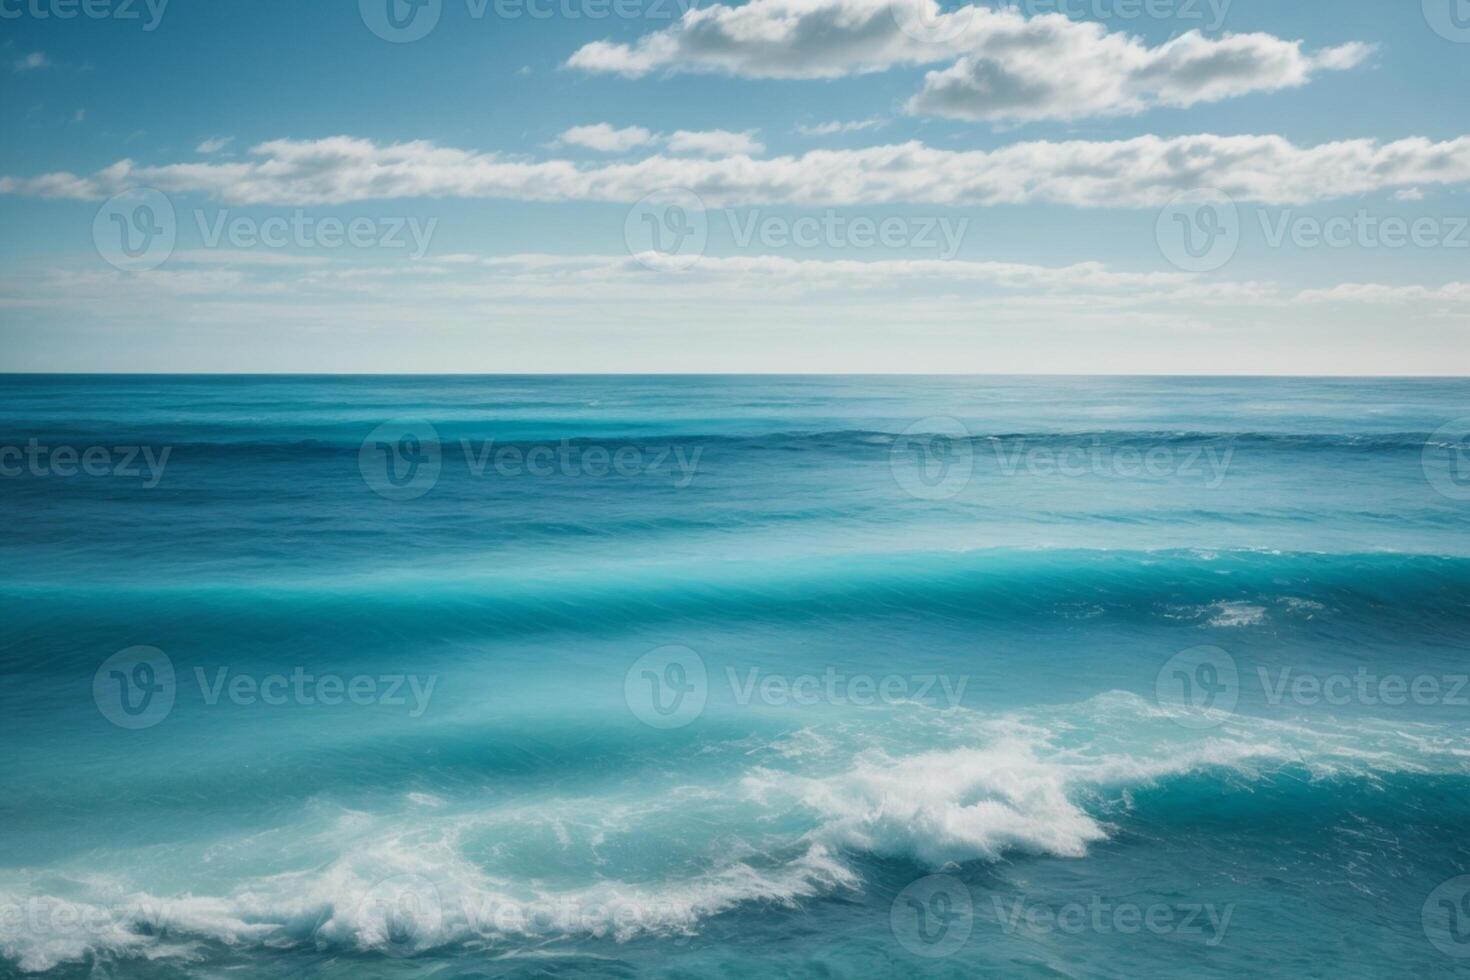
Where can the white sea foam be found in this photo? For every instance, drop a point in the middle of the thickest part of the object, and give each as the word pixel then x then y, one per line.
pixel 989 786
pixel 1232 614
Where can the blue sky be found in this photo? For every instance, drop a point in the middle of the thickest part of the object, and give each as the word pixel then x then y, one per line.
pixel 507 170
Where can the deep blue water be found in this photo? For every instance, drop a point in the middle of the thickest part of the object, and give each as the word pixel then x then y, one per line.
pixel 720 676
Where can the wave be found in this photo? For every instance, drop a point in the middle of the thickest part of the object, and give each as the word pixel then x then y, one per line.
pixel 1051 782
pixel 236 441
pixel 1218 589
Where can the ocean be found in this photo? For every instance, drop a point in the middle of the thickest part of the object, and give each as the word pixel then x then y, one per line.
pixel 675 676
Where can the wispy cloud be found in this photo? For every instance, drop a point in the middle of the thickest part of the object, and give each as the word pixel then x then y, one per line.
pixel 715 143
pixel 605 138
pixel 214 144
pixel 1146 171
pixel 835 127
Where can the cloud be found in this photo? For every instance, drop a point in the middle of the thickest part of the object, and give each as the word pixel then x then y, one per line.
pixel 32 61
pixel 715 142
pixel 214 144
pixel 1143 172
pixel 611 312
pixel 603 138
pixel 837 126
pixel 1004 65
pixel 1106 75
pixel 461 277
pixel 1376 293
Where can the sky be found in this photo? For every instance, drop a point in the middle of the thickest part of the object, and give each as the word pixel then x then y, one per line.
pixel 643 186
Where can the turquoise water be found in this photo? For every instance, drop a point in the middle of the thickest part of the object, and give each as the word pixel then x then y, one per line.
pixel 720 676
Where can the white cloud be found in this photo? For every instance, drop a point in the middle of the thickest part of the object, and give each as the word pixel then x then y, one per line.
pixel 1455 292
pixel 603 138
pixel 838 126
pixel 214 144
pixel 466 276
pixel 1094 74
pixel 32 61
pixel 1136 173
pixel 715 142
pixel 1005 66
pixel 611 312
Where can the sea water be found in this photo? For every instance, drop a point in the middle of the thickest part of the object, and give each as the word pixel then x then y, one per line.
pixel 464 677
